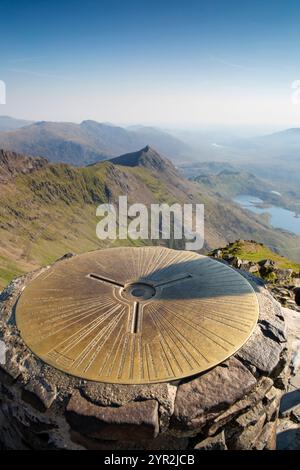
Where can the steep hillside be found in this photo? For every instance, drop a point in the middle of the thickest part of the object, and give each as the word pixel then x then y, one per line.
pixel 85 143
pixel 51 209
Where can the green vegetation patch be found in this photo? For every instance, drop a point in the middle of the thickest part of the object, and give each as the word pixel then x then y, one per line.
pixel 253 251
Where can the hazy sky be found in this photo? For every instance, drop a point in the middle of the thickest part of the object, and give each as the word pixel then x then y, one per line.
pixel 164 62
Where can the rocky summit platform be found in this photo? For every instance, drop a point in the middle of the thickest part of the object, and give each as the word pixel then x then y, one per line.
pixel 214 365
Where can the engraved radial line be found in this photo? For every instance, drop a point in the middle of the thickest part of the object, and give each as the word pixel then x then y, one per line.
pixel 208 303
pixel 225 323
pixel 168 329
pixel 202 328
pixel 151 359
pixel 93 346
pixel 140 356
pixel 68 306
pixel 70 314
pixel 109 354
pixel 147 363
pixel 69 318
pixel 149 256
pixel 162 328
pixel 88 329
pixel 106 333
pixel 235 312
pixel 173 337
pixel 201 331
pixel 123 355
pixel 219 316
pixel 132 356
pixel 213 313
pixel 201 307
pixel 84 331
pixel 74 322
pixel 113 362
pixel 178 335
pixel 153 261
pixel 165 359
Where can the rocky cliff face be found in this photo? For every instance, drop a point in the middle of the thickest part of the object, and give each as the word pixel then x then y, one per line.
pixel 13 164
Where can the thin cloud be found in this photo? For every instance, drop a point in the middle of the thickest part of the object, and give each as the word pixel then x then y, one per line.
pixel 34 73
pixel 22 60
pixel 228 63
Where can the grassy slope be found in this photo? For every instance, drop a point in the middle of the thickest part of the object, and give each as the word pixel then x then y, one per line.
pixel 248 250
pixel 47 214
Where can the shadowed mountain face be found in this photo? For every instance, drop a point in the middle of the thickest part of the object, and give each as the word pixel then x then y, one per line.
pixel 147 158
pixel 49 209
pixel 86 143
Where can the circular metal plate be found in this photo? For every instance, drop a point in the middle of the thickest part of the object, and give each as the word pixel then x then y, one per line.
pixel 136 315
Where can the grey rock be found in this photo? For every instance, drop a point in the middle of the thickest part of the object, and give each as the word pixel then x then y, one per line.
pixel 267 438
pixel 135 420
pixel 267 263
pixel 118 395
pixel 203 398
pixel 261 351
pixel 40 394
pixel 212 443
pixel 271 403
pixel 248 428
pixel 247 402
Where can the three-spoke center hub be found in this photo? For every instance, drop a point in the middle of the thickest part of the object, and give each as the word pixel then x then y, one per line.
pixel 138 291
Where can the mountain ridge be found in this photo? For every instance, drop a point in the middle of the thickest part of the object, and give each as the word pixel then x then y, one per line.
pixel 87 142
pixel 51 210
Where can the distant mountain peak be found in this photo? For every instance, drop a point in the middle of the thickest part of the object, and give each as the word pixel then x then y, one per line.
pixel 146 157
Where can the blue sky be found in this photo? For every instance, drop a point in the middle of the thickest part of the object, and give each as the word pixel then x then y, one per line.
pixel 186 63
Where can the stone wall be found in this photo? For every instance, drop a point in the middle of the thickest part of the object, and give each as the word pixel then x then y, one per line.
pixel 232 406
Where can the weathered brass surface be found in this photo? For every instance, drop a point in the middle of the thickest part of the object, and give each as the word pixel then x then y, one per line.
pixel 136 315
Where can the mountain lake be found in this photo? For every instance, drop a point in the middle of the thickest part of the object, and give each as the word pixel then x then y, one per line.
pixel 279 217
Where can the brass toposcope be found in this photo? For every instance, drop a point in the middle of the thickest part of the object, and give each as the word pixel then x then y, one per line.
pixel 136 315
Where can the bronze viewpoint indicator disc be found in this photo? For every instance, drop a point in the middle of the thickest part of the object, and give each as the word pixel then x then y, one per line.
pixel 136 315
